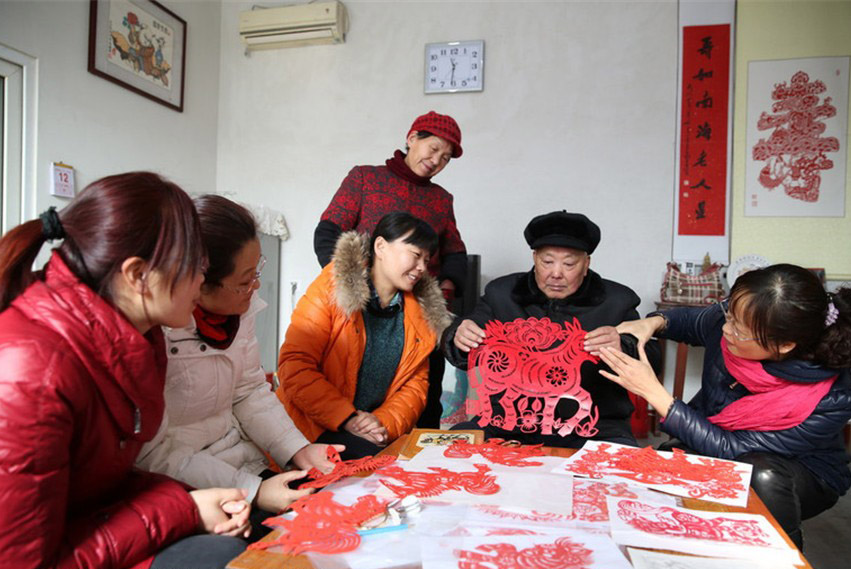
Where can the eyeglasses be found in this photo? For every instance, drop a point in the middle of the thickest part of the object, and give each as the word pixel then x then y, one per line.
pixel 249 288
pixel 734 330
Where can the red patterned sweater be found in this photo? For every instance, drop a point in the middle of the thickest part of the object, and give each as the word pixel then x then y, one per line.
pixel 368 193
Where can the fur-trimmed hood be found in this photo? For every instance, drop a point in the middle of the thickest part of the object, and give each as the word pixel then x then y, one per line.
pixel 351 282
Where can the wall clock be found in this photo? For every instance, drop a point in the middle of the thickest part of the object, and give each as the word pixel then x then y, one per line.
pixel 455 66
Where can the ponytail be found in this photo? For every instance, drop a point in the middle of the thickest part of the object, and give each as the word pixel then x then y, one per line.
pixel 136 214
pixel 18 250
pixel 834 347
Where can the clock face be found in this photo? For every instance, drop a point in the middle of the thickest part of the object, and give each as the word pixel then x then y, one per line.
pixel 456 66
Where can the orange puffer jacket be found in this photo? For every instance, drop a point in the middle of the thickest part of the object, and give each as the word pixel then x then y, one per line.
pixel 319 362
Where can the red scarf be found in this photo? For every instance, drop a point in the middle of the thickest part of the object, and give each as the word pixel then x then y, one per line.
pixel 217 330
pixel 398 166
pixel 777 403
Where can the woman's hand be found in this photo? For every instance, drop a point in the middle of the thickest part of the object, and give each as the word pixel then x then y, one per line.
pixel 468 335
pixel 316 456
pixel 643 329
pixel 275 495
pixel 602 337
pixel 223 511
pixel 367 426
pixel 637 377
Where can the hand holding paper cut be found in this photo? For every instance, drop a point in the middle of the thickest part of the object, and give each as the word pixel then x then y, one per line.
pixel 322 525
pixel 534 363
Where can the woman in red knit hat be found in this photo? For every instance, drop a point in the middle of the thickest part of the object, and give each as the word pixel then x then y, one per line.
pixel 404 183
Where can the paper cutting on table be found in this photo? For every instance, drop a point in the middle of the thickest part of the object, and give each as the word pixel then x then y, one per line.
pixel 435 456
pixel 643 559
pixel 497 451
pixel 693 476
pixel 534 364
pixel 465 482
pixel 344 468
pixel 716 534
pixel 577 550
pixel 322 525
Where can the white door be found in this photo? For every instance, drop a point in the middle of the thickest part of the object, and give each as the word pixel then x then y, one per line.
pixel 11 144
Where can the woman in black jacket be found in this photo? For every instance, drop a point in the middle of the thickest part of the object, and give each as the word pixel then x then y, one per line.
pixel 775 389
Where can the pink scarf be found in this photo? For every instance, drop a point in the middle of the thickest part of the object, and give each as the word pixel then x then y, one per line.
pixel 777 403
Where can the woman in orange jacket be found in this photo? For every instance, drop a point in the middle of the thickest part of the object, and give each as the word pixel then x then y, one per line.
pixel 354 364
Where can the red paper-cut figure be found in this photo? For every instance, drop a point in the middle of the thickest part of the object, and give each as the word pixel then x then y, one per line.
pixel 496 451
pixel 710 478
pixel 589 499
pixel 531 516
pixel 439 480
pixel 532 360
pixel 344 468
pixel 322 525
pixel 511 531
pixel 563 553
pixel 795 150
pixel 672 522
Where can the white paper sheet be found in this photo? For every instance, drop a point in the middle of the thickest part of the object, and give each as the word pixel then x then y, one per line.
pixel 714 534
pixel 574 549
pixel 434 455
pixel 539 491
pixel 642 559
pixel 717 480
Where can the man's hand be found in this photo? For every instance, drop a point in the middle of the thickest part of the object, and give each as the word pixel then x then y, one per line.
pixel 602 337
pixel 468 336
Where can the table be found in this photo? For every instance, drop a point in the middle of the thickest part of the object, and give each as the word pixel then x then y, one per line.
pixel 259 559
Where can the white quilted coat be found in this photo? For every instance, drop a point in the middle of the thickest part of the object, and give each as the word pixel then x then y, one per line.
pixel 220 413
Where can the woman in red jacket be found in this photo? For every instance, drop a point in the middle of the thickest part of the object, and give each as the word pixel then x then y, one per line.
pixel 82 369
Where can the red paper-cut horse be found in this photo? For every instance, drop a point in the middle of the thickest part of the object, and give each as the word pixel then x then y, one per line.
pixel 538 359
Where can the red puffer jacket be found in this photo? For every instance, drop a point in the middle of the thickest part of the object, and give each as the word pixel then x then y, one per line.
pixel 80 392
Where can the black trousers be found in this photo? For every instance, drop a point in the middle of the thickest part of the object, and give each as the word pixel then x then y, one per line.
pixel 430 417
pixel 790 491
pixel 356 447
pixel 199 552
pixel 609 430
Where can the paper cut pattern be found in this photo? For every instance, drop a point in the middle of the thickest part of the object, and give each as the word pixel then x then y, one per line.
pixel 322 525
pixel 438 480
pixel 344 468
pixel 589 499
pixel 674 522
pixel 497 451
pixel 563 553
pixel 530 516
pixel 533 363
pixel 705 478
pixel 794 153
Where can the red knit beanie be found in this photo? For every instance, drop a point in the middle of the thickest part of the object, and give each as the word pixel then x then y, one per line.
pixel 443 126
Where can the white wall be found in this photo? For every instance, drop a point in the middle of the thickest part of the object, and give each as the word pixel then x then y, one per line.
pixel 577 112
pixel 101 128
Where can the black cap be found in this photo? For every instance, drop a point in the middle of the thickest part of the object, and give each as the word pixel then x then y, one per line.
pixel 562 229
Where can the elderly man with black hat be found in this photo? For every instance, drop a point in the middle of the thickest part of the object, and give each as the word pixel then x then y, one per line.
pixel 561 287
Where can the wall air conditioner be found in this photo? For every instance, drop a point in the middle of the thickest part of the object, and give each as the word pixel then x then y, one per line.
pixel 291 26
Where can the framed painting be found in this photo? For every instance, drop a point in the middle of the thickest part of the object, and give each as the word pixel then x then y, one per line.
pixel 140 45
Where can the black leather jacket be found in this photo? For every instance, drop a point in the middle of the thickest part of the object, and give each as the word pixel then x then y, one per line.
pixel 817 442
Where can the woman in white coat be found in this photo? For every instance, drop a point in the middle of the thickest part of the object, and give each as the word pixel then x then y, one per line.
pixel 222 419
